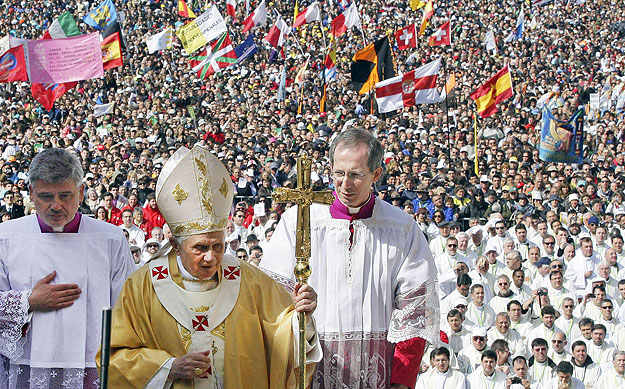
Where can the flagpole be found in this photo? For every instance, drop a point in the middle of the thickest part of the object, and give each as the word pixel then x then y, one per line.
pixel 447 120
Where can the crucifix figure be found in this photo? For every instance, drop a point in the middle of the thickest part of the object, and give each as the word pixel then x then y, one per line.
pixel 303 196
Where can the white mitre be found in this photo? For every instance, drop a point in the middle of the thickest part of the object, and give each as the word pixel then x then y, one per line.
pixel 194 192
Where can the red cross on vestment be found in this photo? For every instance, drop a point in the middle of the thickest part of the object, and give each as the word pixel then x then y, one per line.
pixel 160 272
pixel 200 323
pixel 232 272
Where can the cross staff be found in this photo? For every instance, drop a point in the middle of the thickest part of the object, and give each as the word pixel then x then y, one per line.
pixel 303 196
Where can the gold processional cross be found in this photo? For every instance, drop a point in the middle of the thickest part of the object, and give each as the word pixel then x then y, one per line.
pixel 303 196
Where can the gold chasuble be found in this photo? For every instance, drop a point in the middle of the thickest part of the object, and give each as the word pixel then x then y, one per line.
pixel 152 324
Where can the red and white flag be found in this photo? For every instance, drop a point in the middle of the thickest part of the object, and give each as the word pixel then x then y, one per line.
pixel 231 7
pixel 277 33
pixel 412 88
pixel 442 36
pixel 406 37
pixel 307 15
pixel 256 18
pixel 345 21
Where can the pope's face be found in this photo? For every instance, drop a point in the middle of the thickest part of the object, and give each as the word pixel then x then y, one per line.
pixel 56 204
pixel 202 254
pixel 354 179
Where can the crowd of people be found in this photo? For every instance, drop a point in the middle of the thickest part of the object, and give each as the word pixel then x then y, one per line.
pixel 529 254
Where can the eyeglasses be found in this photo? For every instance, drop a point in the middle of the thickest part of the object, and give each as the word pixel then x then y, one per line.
pixel 438 216
pixel 550 243
pixel 557 341
pixel 567 306
pixel 607 307
pixel 503 283
pixel 478 338
pixel 242 256
pixel 557 266
pixel 452 245
pixel 354 176
pixel 151 246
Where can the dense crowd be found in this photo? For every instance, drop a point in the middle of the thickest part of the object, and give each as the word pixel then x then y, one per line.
pixel 528 252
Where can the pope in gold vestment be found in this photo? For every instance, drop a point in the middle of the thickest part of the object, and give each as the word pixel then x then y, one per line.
pixel 259 344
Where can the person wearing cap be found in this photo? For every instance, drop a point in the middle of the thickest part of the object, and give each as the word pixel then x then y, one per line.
pixel 438 245
pixel 59 268
pixel 373 271
pixel 469 357
pixel 190 317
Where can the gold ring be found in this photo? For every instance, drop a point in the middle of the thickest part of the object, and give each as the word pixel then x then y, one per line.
pixel 197 371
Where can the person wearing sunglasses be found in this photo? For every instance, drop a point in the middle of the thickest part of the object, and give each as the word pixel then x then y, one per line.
pixel 469 357
pixel 568 323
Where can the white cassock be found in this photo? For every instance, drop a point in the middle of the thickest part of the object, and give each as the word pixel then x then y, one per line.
pixel 98 259
pixel 377 290
pixel 451 379
pixel 611 379
pixel 477 380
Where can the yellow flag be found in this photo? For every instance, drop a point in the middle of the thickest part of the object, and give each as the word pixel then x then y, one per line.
pixel 416 4
pixel 296 11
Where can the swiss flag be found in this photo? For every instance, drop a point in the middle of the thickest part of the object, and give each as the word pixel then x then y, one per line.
pixel 406 37
pixel 442 36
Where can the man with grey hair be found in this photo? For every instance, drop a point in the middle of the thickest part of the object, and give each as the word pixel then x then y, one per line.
pixel 373 271
pixel 57 270
pixel 614 377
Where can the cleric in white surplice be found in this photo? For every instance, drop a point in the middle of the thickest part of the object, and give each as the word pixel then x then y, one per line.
pixel 57 270
pixel 373 272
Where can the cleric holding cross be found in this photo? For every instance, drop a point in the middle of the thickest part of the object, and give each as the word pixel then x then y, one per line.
pixel 199 318
pixel 373 271
pixel 57 270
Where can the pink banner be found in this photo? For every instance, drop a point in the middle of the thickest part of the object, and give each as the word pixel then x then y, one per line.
pixel 55 61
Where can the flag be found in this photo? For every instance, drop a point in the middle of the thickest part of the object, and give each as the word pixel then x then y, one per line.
pixel 561 141
pixel 442 36
pixel 231 7
pixel 343 4
pixel 111 52
pixel 103 109
pixel 536 3
pixel 256 18
pixel 277 33
pixel 476 165
pixel 493 92
pixel 47 94
pixel 299 77
pixel 415 87
pixel 185 11
pixel 205 28
pixel 221 56
pixel 428 11
pixel 13 65
pixel 160 41
pixel 322 102
pixel 371 65
pixel 448 95
pixel 416 4
pixel 246 49
pixel 489 40
pixel 406 37
pixel 348 19
pixel 329 72
pixel 112 29
pixel 102 15
pixel 62 27
pixel 518 30
pixel 309 14
pixel 282 85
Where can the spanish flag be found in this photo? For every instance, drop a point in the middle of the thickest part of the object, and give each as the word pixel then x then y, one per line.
pixel 371 65
pixel 428 11
pixel 185 11
pixel 111 52
pixel 493 92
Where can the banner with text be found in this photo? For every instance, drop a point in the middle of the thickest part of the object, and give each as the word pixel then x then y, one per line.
pixel 65 60
pixel 205 28
pixel 562 141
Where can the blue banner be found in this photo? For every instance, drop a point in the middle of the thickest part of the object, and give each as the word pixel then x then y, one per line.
pixel 101 16
pixel 562 141
pixel 246 49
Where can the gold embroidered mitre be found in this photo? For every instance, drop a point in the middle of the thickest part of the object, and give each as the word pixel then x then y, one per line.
pixel 194 192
